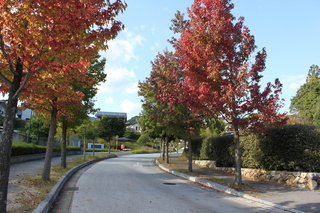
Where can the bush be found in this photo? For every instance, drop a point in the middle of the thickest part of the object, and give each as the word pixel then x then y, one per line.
pixel 142 151
pixel 251 151
pixel 291 147
pixel 21 148
pixel 219 149
pixel 196 144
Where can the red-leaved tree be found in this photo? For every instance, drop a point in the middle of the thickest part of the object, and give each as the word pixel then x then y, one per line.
pixel 215 51
pixel 33 36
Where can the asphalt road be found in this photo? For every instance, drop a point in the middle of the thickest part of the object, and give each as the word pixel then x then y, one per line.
pixel 132 183
pixel 34 168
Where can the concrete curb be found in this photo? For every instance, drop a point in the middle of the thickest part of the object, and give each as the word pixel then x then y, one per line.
pixel 223 188
pixel 47 202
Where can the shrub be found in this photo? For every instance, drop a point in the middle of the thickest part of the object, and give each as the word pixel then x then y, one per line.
pixel 74 148
pixel 142 151
pixel 219 149
pixel 291 147
pixel 196 144
pixel 21 148
pixel 251 151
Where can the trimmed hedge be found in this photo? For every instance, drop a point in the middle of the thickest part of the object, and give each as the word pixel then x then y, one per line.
pixel 291 147
pixel 196 144
pixel 21 148
pixel 220 149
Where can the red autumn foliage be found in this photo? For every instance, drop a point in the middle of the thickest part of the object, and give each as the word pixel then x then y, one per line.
pixel 218 78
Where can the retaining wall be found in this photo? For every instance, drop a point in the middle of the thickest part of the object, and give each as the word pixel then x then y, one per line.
pixel 307 180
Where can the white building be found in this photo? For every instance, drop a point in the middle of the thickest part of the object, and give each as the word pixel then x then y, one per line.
pixel 135 127
pixel 25 114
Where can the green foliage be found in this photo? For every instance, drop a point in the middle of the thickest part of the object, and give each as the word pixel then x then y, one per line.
pixel 21 148
pixel 132 145
pixel 306 102
pixel 111 126
pixel 37 127
pixel 141 151
pixel 96 72
pixel 131 134
pixel 252 155
pixel 291 147
pixel 19 124
pixel 196 144
pixel 92 130
pixel 220 149
pixel 213 128
pixel 143 139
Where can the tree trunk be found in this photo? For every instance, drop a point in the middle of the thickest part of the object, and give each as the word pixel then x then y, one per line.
pixel 238 175
pixel 161 154
pixel 163 150
pixel 166 150
pixel 48 157
pixel 64 144
pixel 5 151
pixel 7 134
pixel 189 155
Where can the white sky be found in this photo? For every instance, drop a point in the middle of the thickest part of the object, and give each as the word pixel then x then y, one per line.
pixel 288 29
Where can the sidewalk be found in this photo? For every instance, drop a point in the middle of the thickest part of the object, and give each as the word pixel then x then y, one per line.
pixel 287 197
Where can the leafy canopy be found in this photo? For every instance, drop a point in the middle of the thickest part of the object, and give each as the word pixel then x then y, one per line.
pixel 215 51
pixel 306 102
pixel 111 126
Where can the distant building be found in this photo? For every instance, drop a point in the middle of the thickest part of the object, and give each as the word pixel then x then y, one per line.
pixel 25 114
pixel 22 114
pixel 134 127
pixel 102 114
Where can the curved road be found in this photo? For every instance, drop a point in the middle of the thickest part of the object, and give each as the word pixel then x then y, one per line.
pixel 132 183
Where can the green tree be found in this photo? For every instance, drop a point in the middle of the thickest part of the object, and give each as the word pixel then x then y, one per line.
pixel 110 127
pixel 36 126
pixel 213 127
pixel 131 134
pixel 306 103
pixel 144 139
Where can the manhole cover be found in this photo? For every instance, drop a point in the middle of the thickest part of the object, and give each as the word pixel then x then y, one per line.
pixel 71 188
pixel 169 183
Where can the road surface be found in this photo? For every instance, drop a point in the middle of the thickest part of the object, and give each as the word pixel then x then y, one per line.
pixel 133 183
